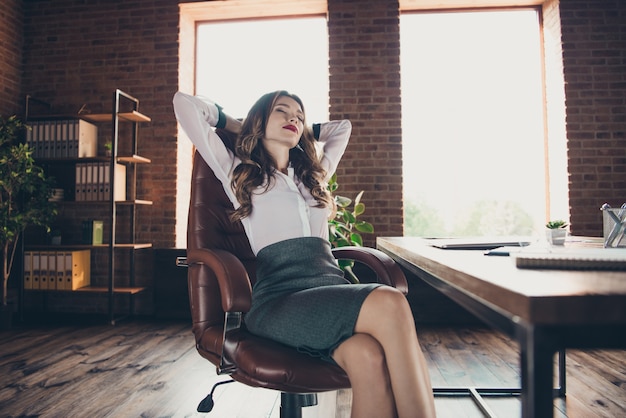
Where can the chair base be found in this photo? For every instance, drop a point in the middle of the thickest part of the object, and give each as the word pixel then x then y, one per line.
pixel 206 405
pixel 291 404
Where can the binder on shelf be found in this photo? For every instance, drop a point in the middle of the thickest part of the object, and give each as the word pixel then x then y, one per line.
pixel 120 183
pixel 60 273
pixel 77 269
pixel 93 231
pixel 93 182
pixel 28 270
pixel 43 271
pixel 88 182
pixel 119 186
pixel 35 275
pixel 78 193
pixel 101 171
pixel 52 271
pixel 57 270
pixel 87 138
pixel 63 138
pixel 67 279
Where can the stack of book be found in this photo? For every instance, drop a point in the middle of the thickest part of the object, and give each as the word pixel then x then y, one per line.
pixel 57 195
pixel 57 270
pixel 64 138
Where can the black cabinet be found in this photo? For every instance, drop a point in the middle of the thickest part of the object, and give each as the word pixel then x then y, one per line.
pixel 170 285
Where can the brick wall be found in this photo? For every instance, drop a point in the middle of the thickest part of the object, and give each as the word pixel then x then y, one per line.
pixel 364 54
pixel 594 55
pixel 10 56
pixel 79 52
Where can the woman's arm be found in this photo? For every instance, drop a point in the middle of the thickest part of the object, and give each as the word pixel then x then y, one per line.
pixel 197 116
pixel 232 124
pixel 334 137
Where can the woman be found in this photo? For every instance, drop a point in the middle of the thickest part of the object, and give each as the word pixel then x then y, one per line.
pixel 276 180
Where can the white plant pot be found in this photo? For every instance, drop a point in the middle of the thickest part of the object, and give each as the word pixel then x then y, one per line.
pixel 556 236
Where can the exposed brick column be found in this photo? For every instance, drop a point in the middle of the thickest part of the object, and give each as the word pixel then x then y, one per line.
pixel 364 54
pixel 594 39
pixel 11 42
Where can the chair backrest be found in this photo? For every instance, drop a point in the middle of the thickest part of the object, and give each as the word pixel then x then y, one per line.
pixel 209 227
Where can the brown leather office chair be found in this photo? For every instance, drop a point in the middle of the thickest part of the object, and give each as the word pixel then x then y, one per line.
pixel 221 270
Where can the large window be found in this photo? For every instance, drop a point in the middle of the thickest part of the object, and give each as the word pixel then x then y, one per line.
pixel 473 126
pixel 233 52
pixel 238 61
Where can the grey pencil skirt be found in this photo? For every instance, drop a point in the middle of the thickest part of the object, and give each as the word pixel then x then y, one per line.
pixel 301 298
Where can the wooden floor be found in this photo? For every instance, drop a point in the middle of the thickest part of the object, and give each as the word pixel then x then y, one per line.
pixel 151 369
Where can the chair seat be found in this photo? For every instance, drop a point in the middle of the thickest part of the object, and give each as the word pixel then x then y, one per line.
pixel 265 363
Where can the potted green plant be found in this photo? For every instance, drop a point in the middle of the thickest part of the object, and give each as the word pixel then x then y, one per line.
pixel 556 232
pixel 108 148
pixel 24 196
pixel 345 228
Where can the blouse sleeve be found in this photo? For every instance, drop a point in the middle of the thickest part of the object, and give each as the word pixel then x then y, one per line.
pixel 334 137
pixel 197 116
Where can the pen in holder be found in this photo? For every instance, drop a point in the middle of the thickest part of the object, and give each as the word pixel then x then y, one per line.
pixel 614 226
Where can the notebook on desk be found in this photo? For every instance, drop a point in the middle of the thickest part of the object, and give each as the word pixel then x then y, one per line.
pixel 477 243
pixel 573 259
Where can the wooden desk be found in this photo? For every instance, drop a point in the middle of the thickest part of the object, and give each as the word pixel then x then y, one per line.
pixel 544 310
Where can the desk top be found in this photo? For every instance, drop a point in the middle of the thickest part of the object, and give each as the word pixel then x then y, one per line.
pixel 558 297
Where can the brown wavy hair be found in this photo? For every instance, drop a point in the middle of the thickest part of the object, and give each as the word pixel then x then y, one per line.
pixel 258 166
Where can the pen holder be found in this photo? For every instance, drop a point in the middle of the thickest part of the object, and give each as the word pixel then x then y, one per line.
pixel 614 227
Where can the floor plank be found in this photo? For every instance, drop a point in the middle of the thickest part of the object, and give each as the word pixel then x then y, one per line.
pixel 149 369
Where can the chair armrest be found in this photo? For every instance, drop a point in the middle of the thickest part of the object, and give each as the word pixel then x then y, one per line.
pixel 386 269
pixel 232 277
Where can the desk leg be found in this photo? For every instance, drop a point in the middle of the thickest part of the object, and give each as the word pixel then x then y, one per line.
pixel 537 357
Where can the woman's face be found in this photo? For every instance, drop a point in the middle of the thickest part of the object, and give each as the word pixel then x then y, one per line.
pixel 285 124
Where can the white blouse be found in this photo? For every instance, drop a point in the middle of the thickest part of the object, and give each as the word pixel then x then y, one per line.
pixel 287 210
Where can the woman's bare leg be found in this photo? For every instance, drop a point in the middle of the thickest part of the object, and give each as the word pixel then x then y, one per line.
pixel 363 360
pixel 387 317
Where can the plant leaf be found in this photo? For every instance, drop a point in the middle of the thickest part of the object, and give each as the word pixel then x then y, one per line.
pixel 365 227
pixel 359 208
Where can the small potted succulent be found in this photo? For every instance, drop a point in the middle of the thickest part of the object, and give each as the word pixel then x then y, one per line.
pixel 556 232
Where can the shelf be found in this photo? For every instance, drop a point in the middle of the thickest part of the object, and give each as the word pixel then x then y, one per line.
pixel 133 116
pixel 56 116
pixel 73 160
pixel 125 111
pixel 133 202
pixel 95 289
pixel 136 202
pixel 103 289
pixel 64 247
pixel 98 117
pixel 137 159
pixel 132 246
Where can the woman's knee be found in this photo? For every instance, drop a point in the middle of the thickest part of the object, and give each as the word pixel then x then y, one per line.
pixel 361 353
pixel 389 305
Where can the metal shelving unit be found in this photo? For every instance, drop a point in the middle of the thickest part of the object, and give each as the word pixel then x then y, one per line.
pixel 125 110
